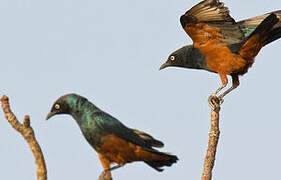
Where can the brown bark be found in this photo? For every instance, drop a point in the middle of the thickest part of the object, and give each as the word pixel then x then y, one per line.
pixel 213 139
pixel 27 132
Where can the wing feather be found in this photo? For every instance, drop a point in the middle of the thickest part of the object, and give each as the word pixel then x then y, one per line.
pixel 149 139
pixel 215 15
pixel 110 124
pixel 210 11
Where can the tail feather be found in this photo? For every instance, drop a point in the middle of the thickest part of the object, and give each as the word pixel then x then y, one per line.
pixel 263 30
pixel 262 35
pixel 249 25
pixel 273 35
pixel 166 160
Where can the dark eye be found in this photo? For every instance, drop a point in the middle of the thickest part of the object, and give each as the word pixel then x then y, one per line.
pixel 172 58
pixel 57 106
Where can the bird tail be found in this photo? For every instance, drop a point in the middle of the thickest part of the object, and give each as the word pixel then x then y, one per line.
pixel 161 159
pixel 249 25
pixel 265 33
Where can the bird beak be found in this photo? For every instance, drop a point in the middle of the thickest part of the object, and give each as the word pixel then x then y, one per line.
pixel 50 115
pixel 164 66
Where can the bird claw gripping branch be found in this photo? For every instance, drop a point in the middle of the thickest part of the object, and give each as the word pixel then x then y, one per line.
pixel 215 102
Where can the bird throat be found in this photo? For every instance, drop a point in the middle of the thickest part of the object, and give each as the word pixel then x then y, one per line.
pixel 194 59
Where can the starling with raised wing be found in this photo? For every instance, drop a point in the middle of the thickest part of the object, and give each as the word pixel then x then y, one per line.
pixel 222 45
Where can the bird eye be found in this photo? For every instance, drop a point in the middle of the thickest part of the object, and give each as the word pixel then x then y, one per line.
pixel 57 106
pixel 172 58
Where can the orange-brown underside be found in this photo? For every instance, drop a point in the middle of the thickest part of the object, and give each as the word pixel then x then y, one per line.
pixel 117 150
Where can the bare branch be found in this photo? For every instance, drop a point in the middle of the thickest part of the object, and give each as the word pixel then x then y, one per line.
pixel 27 132
pixel 213 139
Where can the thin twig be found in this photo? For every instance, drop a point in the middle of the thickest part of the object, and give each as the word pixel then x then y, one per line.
pixel 213 139
pixel 27 132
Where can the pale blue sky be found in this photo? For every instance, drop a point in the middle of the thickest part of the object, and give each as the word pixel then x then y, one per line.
pixel 110 52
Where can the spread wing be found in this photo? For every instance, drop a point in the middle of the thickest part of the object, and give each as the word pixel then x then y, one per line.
pixel 111 125
pixel 209 20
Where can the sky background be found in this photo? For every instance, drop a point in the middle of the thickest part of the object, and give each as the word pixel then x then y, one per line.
pixel 110 52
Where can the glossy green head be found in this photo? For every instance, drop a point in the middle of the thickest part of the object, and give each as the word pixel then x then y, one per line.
pixel 68 104
pixel 187 57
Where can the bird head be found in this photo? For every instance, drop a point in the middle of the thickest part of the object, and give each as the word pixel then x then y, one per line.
pixel 188 57
pixel 59 107
pixel 176 58
pixel 66 104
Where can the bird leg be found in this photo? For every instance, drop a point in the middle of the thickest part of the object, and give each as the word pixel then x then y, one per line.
pixel 224 83
pixel 106 165
pixel 219 89
pixel 112 168
pixel 106 174
pixel 214 95
pixel 235 84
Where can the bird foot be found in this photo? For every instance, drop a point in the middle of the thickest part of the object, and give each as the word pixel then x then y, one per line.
pixel 221 99
pixel 105 176
pixel 215 102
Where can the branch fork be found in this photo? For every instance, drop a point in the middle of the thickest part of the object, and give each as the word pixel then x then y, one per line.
pixel 28 134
